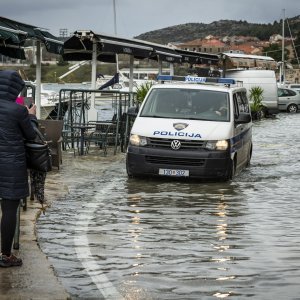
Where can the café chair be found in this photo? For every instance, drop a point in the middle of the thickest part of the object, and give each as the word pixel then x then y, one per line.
pixel 53 134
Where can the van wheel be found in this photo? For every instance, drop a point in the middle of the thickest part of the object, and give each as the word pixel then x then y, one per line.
pixel 292 108
pixel 231 171
pixel 233 168
pixel 249 157
pixel 264 112
pixel 129 174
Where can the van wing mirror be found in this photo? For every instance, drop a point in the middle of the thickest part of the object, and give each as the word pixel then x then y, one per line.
pixel 133 111
pixel 243 118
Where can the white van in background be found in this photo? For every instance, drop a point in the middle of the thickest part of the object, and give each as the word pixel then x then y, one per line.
pixel 265 79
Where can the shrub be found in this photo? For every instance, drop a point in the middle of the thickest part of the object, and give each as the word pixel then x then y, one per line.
pixel 256 96
pixel 142 91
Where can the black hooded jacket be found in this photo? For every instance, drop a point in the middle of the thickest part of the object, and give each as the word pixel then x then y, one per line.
pixel 15 126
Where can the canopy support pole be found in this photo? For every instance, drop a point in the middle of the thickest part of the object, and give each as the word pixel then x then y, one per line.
pixel 171 69
pixel 159 66
pixel 94 65
pixel 131 73
pixel 92 111
pixel 131 61
pixel 38 79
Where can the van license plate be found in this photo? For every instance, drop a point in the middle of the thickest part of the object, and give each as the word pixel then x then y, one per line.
pixel 174 172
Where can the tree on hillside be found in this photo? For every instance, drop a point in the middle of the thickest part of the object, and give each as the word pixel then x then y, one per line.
pixel 274 51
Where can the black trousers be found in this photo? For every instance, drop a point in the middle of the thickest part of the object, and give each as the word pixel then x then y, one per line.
pixel 9 210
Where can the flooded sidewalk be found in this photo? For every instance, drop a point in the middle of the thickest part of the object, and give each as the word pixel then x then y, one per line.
pixel 108 236
pixel 114 237
pixel 36 279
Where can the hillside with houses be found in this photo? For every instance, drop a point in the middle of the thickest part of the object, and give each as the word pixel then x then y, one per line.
pixel 191 31
pixel 242 44
pixel 236 37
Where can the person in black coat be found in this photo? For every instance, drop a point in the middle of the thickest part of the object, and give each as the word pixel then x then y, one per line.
pixel 15 126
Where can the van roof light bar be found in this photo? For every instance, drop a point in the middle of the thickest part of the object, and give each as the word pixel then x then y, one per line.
pixel 195 79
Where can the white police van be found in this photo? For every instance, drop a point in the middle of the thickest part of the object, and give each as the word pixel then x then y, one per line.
pixel 191 130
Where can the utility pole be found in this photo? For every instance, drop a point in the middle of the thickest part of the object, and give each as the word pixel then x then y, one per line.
pixel 115 31
pixel 282 80
pixel 115 18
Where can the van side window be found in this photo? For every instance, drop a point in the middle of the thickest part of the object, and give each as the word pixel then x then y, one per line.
pixel 246 102
pixel 236 107
pixel 242 102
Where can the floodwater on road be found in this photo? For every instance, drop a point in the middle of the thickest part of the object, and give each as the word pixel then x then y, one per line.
pixel 119 238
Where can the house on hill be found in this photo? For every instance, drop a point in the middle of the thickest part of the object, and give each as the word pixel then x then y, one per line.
pixel 247 48
pixel 211 46
pixel 236 44
pixel 237 40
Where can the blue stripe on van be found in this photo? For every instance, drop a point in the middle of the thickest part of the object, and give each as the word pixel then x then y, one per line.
pixel 237 141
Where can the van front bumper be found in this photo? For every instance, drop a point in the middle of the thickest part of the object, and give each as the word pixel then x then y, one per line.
pixel 206 164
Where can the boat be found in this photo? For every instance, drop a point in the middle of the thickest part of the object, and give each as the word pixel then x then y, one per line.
pixel 140 77
pixel 144 74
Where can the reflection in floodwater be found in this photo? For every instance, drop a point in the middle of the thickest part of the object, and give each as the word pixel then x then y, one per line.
pixel 168 239
pixel 189 230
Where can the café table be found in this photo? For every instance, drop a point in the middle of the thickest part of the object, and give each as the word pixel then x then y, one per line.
pixel 104 134
pixel 82 128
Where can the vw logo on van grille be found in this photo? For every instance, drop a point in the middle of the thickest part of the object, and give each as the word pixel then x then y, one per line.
pixel 175 145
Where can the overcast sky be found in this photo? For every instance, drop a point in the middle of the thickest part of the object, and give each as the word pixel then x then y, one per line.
pixel 135 17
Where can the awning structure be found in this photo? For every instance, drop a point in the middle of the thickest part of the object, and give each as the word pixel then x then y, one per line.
pixel 237 62
pixel 263 64
pixel 13 35
pixel 12 40
pixel 245 61
pixel 198 58
pixel 165 54
pixel 80 47
pixel 52 44
pixel 85 45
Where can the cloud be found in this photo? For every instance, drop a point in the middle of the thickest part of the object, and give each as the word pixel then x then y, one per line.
pixel 139 16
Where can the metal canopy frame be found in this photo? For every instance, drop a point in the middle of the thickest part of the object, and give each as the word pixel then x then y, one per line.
pixel 80 47
pixel 198 57
pixel 13 35
pixel 87 45
pixel 239 60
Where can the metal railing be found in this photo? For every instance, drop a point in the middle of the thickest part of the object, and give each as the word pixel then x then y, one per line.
pixel 80 106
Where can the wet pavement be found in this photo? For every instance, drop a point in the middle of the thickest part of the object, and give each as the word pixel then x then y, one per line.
pixel 117 238
pixel 109 237
pixel 36 279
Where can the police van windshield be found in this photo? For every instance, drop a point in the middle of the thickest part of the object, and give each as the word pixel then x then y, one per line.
pixel 179 103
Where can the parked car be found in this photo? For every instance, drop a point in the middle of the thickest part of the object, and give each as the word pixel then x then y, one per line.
pixel 294 86
pixel 288 100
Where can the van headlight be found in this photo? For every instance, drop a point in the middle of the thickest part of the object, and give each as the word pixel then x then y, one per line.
pixel 217 145
pixel 138 140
